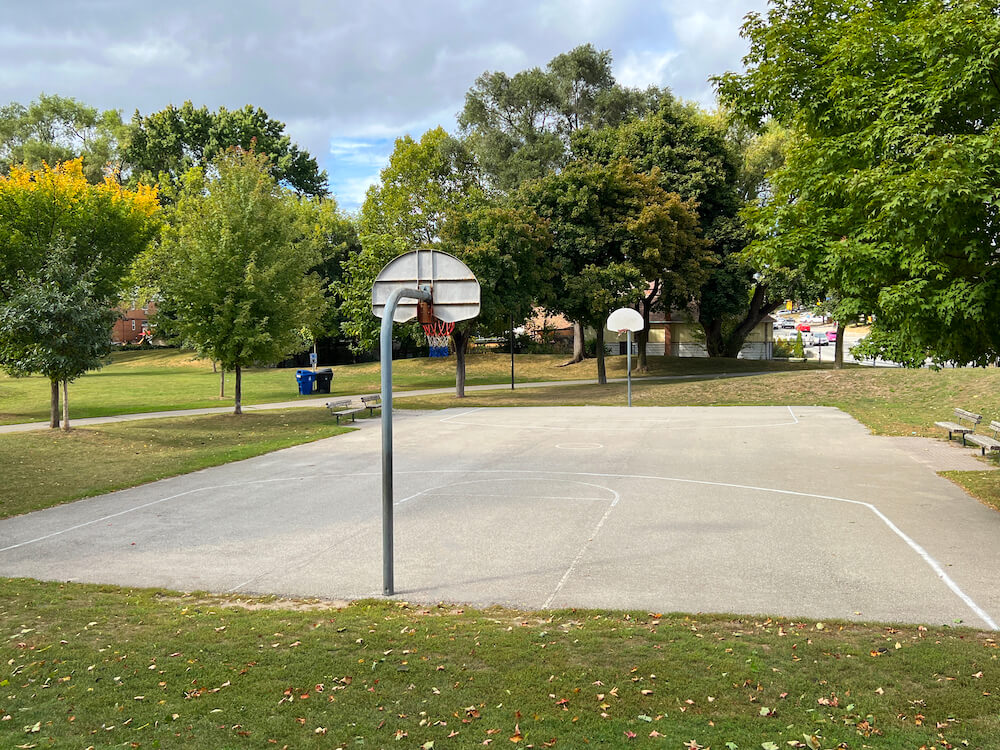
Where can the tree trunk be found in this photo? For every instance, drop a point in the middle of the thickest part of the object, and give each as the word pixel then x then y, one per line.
pixel 838 357
pixel 65 405
pixel 54 403
pixel 602 374
pixel 578 353
pixel 714 345
pixel 239 390
pixel 460 339
pixel 645 308
pixel 213 366
pixel 730 346
pixel 222 384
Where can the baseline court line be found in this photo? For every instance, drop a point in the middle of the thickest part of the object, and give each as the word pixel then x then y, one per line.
pixel 456 419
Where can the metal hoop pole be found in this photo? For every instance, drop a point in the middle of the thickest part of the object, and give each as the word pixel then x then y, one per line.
pixel 385 355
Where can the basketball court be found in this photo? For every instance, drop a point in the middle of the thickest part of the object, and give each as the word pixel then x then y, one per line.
pixel 756 510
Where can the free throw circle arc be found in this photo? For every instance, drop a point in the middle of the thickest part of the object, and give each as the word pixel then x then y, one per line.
pixel 625 319
pixel 454 288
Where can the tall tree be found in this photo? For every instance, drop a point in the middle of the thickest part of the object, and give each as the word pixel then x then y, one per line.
pixel 890 185
pixel 695 161
pixel 235 277
pixel 100 228
pixel 56 326
pixel 520 127
pixel 54 129
pixel 334 236
pixel 506 247
pixel 614 230
pixel 162 146
pixel 406 210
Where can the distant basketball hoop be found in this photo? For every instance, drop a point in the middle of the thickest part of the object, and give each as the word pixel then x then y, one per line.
pixel 626 320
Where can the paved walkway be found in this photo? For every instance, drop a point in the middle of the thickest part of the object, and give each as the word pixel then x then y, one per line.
pixel 29 426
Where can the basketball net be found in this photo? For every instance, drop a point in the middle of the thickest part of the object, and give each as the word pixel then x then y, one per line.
pixel 438 333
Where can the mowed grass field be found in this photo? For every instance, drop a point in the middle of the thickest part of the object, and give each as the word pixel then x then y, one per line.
pixel 49 467
pixel 97 666
pixel 168 379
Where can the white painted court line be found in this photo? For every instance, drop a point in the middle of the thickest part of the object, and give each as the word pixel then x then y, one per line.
pixel 921 552
pixel 145 505
pixel 672 423
pixel 931 562
pixel 583 548
pixel 430 492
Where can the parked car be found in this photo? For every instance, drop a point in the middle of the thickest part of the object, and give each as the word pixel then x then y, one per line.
pixel 818 339
pixel 831 337
pixel 803 327
pixel 787 323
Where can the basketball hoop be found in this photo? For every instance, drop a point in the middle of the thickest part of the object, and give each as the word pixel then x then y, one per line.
pixel 438 334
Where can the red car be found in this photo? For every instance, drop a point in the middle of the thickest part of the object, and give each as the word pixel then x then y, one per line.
pixel 803 327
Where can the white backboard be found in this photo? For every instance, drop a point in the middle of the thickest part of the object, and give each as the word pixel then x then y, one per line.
pixel 454 288
pixel 625 319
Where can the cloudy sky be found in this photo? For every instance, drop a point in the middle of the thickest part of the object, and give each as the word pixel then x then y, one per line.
pixel 348 78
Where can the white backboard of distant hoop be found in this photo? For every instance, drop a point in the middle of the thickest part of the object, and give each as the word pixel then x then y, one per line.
pixel 625 319
pixel 454 288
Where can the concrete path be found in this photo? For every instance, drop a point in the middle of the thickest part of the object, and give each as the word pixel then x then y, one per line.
pixel 753 510
pixel 321 401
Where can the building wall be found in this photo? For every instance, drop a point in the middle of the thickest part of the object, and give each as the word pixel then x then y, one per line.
pixel 130 326
pixel 688 341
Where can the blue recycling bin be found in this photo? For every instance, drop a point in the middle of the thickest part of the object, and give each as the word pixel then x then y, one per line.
pixel 305 379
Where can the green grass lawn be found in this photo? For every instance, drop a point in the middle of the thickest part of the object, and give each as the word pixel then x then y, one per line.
pixel 49 467
pixel 161 380
pixel 96 666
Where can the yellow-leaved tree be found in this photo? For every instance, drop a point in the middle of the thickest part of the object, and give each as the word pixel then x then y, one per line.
pixel 65 246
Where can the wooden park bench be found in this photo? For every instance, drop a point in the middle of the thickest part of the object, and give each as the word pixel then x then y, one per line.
pixel 957 428
pixel 343 408
pixel 985 441
pixel 372 403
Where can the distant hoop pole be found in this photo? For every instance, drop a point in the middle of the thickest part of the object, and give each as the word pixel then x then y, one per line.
pixel 626 320
pixel 385 355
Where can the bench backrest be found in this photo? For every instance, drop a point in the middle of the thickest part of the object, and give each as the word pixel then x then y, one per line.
pixel 371 399
pixel 995 427
pixel 338 404
pixel 968 416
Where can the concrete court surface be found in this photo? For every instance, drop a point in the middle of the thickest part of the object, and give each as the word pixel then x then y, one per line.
pixel 797 512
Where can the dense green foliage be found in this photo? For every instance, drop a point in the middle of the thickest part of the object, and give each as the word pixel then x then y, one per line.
pixel 890 185
pixel 162 146
pixel 54 129
pixel 65 245
pixel 613 230
pixel 519 127
pixel 234 276
pixel 424 181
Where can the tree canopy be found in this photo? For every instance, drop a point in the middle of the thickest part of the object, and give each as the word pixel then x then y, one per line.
pixel 163 145
pixel 890 183
pixel 105 226
pixel 235 279
pixel 614 231
pixel 65 246
pixel 519 127
pixel 55 325
pixel 423 183
pixel 54 129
